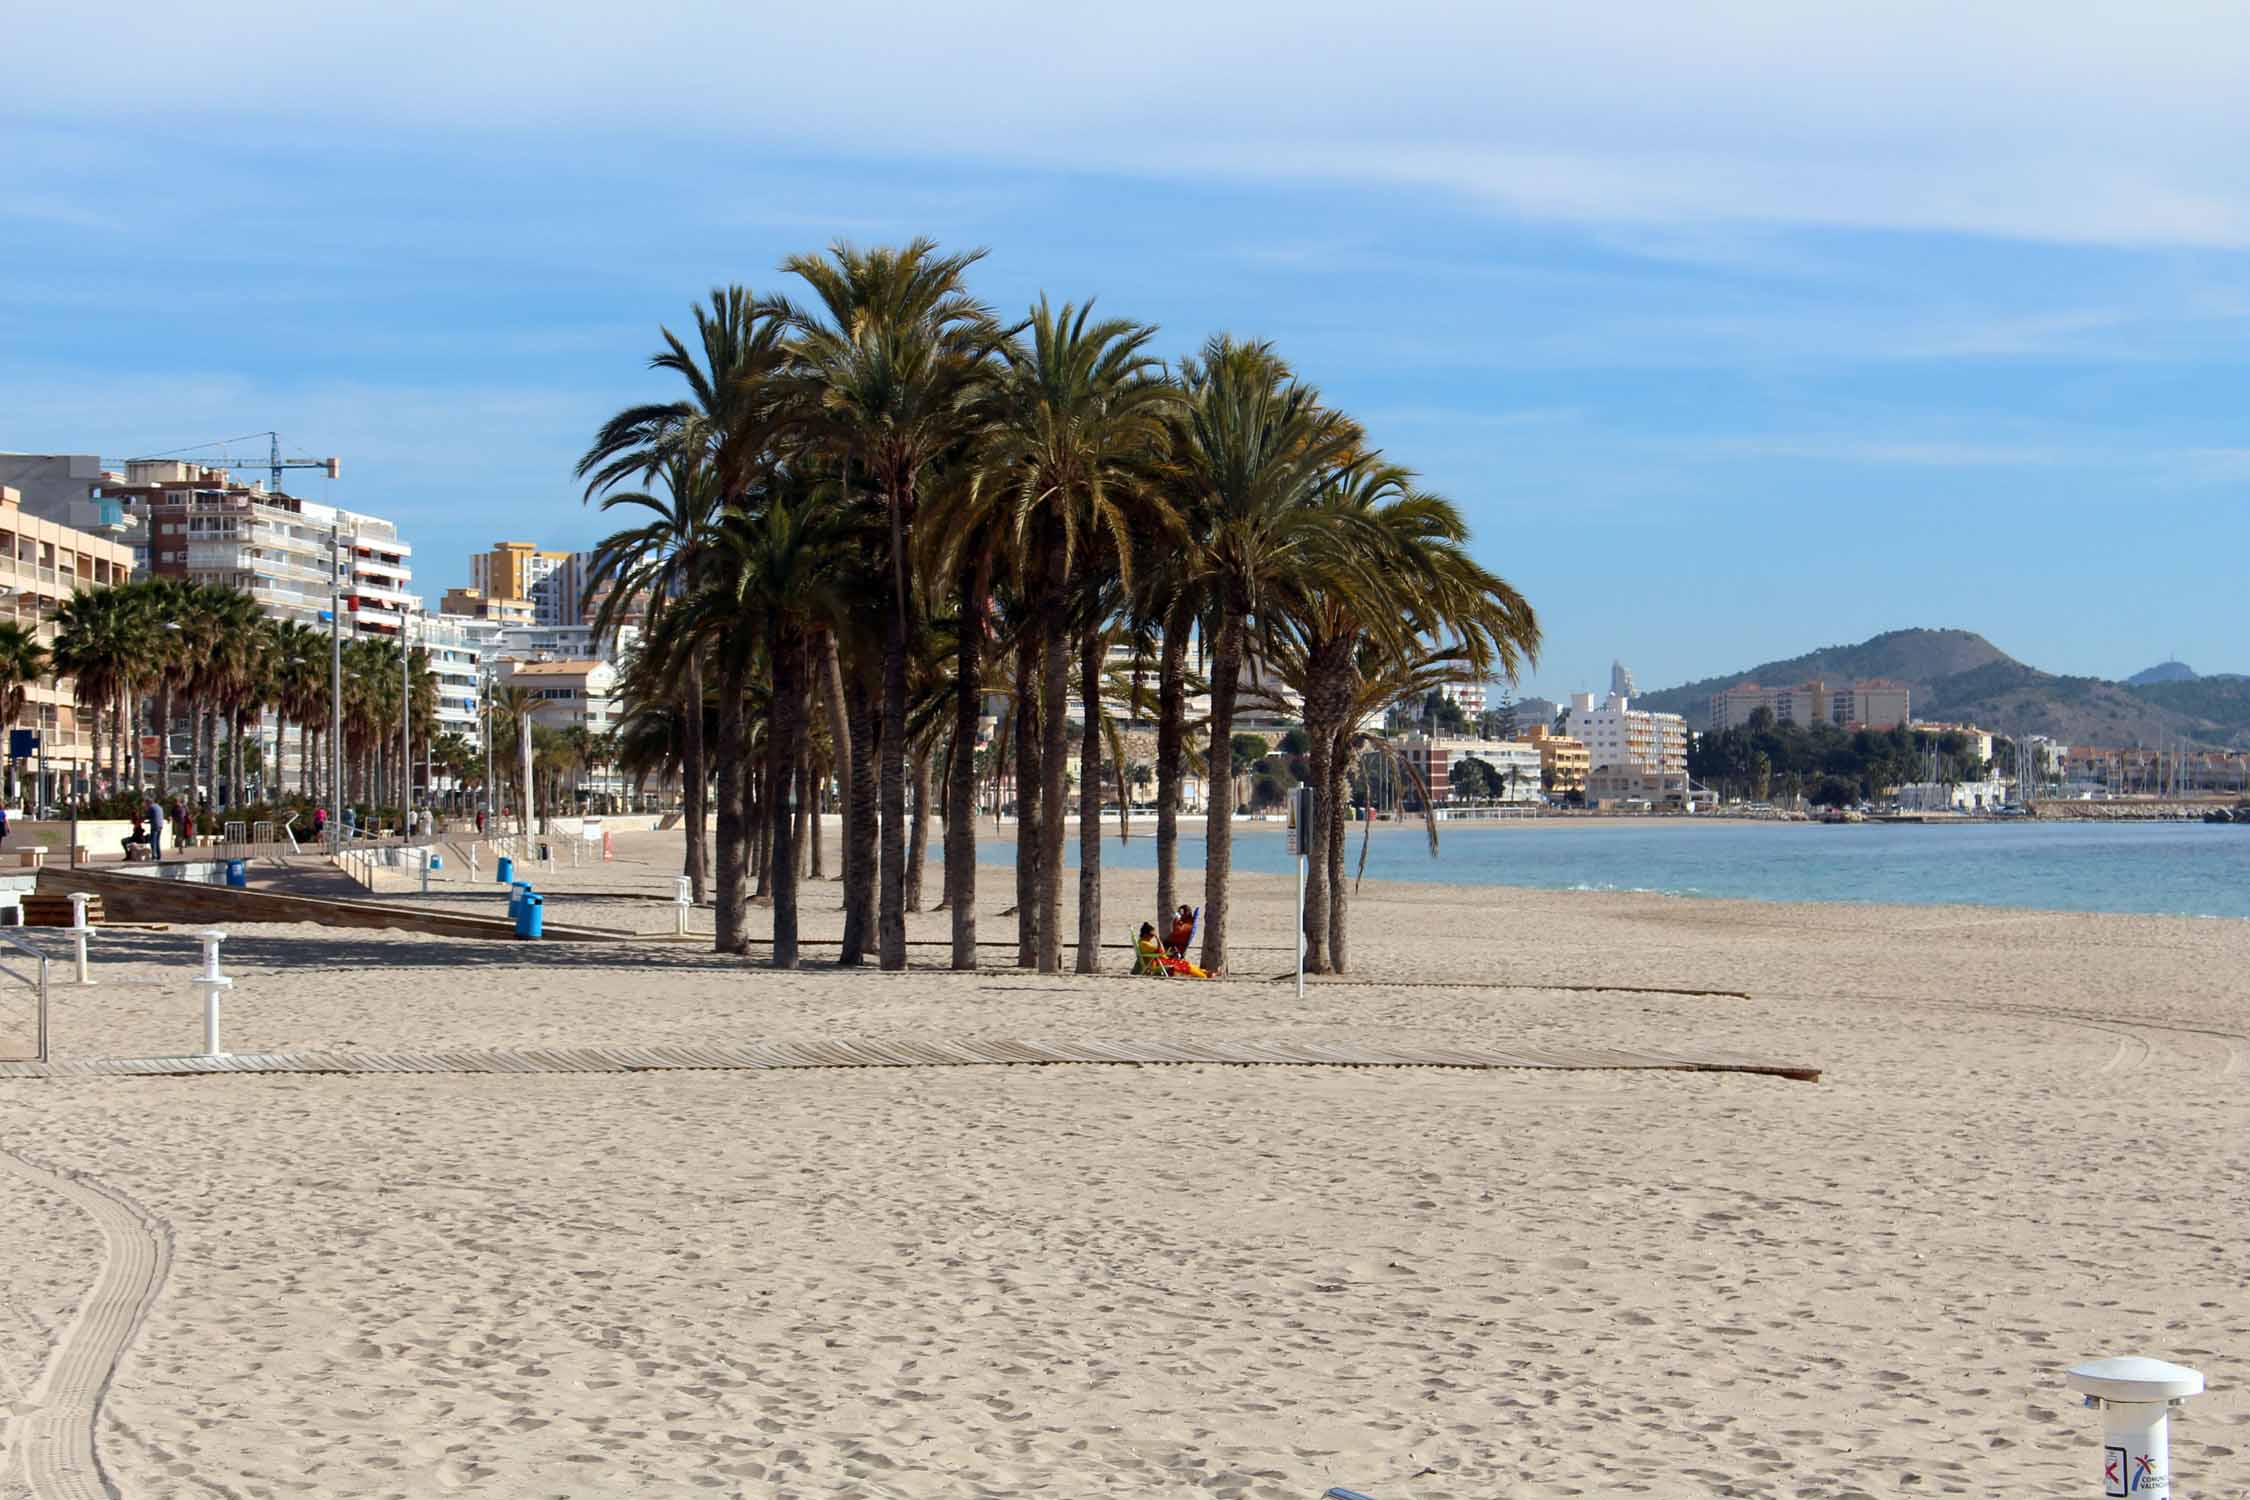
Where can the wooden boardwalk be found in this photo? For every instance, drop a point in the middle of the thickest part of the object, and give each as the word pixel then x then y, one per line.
pixel 903 1052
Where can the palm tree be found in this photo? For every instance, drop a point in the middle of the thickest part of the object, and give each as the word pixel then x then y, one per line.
pixel 23 661
pixel 725 426
pixel 785 564
pixel 1079 433
pixel 1384 566
pixel 1254 446
pixel 99 640
pixel 893 367
pixel 655 563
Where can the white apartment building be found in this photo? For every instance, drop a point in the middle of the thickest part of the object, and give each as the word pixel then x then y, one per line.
pixel 1469 697
pixel 287 553
pixel 563 643
pixel 1618 735
pixel 1959 796
pixel 456 652
pixel 569 693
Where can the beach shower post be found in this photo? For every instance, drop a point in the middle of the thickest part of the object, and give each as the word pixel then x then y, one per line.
pixel 209 984
pixel 683 897
pixel 2135 1397
pixel 79 932
pixel 1300 834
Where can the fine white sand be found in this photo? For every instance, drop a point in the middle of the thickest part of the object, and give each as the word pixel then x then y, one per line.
pixel 2028 1150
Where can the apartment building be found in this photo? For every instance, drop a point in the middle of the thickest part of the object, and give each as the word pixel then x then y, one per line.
pixel 43 563
pixel 1980 740
pixel 1563 761
pixel 1514 764
pixel 1469 697
pixel 1872 703
pixel 1618 736
pixel 287 553
pixel 456 654
pixel 1617 786
pixel 474 604
pixel 553 583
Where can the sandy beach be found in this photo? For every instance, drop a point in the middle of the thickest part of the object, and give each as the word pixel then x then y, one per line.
pixel 2028 1149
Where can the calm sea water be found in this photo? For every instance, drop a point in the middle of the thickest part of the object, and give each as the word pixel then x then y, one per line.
pixel 2185 869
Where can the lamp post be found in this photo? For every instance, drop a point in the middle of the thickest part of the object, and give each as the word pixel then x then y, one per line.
pixel 484 674
pixel 336 690
pixel 405 717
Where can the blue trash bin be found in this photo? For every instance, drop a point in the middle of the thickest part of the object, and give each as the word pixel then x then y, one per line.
pixel 238 874
pixel 517 890
pixel 505 871
pixel 529 920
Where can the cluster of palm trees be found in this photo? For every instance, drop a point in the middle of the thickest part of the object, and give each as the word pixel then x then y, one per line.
pixel 869 513
pixel 157 650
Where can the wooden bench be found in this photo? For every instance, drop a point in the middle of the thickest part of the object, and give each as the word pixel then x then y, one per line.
pixel 43 910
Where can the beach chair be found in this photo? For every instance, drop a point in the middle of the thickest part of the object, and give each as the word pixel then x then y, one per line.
pixel 1195 929
pixel 1149 965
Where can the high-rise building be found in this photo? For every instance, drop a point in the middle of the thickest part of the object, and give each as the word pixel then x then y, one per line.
pixel 42 564
pixel 289 554
pixel 552 582
pixel 1621 684
pixel 1619 736
pixel 1469 697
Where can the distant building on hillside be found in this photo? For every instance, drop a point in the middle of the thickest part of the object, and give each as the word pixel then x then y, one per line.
pixel 1621 684
pixel 1873 703
pixel 1980 740
pixel 1469 697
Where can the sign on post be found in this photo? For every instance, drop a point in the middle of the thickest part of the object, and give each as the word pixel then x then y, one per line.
pixel 23 744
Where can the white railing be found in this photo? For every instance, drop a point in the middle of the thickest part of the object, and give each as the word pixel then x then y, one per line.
pixel 37 984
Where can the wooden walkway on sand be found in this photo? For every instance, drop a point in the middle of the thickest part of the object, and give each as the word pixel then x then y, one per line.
pixel 903 1052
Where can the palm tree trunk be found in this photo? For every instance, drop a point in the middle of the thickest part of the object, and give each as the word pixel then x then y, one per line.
pixel 731 899
pixel 1054 755
pixel 785 738
pixel 762 837
pixel 800 819
pixel 816 783
pixel 961 774
pixel 1320 751
pixel 840 744
pixel 1218 825
pixel 918 833
pixel 1171 759
pixel 1339 894
pixel 695 784
pixel 859 824
pixel 890 924
pixel 1090 801
pixel 1031 837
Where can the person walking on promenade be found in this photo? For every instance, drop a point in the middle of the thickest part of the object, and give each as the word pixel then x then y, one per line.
pixel 154 813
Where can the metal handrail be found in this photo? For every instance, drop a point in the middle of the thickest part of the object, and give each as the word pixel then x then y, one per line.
pixel 40 954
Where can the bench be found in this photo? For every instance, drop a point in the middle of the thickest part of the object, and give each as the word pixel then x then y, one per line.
pixel 44 910
pixel 31 859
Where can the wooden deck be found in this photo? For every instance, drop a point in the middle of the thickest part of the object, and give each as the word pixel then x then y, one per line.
pixel 903 1052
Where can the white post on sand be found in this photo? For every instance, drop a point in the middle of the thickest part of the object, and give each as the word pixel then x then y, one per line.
pixel 79 932
pixel 208 984
pixel 2135 1397
pixel 1300 827
pixel 683 898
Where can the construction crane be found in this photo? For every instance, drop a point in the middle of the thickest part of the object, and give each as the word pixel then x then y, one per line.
pixel 332 467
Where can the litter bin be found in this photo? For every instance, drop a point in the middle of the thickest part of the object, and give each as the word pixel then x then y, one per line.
pixel 518 892
pixel 238 874
pixel 529 922
pixel 505 871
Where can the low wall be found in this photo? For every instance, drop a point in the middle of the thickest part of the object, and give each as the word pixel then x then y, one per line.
pixel 142 896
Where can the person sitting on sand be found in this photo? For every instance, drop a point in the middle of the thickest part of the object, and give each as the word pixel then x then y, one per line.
pixel 1183 933
pixel 1149 957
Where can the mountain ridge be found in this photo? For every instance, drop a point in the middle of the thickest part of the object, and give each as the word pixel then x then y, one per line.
pixel 1958 675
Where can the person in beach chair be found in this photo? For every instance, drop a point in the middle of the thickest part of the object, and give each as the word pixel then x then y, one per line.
pixel 1183 932
pixel 1150 958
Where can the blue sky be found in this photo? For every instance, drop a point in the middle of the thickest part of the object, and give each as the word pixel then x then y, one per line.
pixel 1735 334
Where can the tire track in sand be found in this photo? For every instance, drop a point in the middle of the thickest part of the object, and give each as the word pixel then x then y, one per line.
pixel 54 1439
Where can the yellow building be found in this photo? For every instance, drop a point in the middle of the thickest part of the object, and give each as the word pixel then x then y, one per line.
pixel 41 565
pixel 1563 761
pixel 477 606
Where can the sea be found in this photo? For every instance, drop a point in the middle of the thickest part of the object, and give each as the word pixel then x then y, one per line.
pixel 2174 869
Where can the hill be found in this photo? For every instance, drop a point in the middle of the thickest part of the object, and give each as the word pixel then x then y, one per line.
pixel 1960 676
pixel 1918 658
pixel 2163 671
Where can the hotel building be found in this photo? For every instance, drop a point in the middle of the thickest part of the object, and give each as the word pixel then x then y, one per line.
pixel 1618 736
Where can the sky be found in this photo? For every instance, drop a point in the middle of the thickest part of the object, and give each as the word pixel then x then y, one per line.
pixel 1735 330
